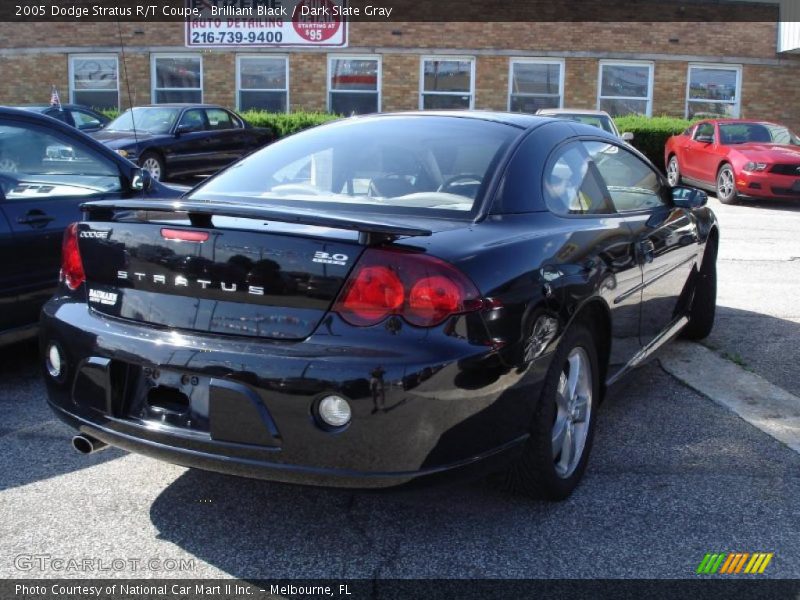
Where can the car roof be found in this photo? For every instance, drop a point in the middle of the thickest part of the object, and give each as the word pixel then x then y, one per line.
pixel 572 111
pixel 179 105
pixel 519 120
pixel 735 121
pixel 43 106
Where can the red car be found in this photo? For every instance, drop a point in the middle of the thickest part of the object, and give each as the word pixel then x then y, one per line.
pixel 736 159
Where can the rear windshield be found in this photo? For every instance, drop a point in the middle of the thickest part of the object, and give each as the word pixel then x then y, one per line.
pixel 405 164
pixel 600 121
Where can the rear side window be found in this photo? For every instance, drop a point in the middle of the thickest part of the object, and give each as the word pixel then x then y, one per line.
pixel 572 185
pixel 631 183
pixel 219 119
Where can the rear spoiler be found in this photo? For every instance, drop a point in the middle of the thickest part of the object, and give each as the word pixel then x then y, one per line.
pixel 370 231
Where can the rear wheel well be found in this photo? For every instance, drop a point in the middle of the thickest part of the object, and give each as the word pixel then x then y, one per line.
pixel 596 317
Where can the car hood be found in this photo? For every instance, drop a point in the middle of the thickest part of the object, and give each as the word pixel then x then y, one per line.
pixel 118 139
pixel 771 153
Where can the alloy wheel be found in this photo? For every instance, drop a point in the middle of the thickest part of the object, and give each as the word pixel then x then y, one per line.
pixel 673 172
pixel 8 165
pixel 151 164
pixel 725 184
pixel 574 412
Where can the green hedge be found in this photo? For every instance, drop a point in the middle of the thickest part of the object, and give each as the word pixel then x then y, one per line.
pixel 282 124
pixel 650 134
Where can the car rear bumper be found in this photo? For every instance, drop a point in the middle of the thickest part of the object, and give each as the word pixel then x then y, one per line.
pixel 425 404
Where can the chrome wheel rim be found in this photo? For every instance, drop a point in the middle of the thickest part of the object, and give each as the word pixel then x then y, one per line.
pixel 573 412
pixel 8 165
pixel 725 183
pixel 151 164
pixel 672 172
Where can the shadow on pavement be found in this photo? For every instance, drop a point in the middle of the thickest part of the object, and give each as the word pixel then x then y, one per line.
pixel 662 454
pixel 33 445
pixel 760 343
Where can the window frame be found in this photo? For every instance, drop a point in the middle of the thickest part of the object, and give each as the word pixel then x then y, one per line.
pixel 722 67
pixel 615 214
pixel 627 63
pixel 444 58
pixel 537 61
pixel 71 73
pixel 239 88
pixel 379 90
pixel 180 55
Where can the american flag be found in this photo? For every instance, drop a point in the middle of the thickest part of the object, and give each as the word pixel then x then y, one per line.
pixel 54 99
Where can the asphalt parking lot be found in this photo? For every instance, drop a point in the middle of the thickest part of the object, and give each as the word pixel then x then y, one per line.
pixel 673 476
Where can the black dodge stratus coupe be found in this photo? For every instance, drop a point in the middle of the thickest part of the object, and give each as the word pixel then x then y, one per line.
pixel 381 300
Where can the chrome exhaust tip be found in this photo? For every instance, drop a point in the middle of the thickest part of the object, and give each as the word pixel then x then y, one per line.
pixel 87 445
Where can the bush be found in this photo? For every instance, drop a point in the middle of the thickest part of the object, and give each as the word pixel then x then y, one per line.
pixel 284 124
pixel 111 113
pixel 650 134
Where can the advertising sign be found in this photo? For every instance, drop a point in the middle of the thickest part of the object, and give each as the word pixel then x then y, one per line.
pixel 267 24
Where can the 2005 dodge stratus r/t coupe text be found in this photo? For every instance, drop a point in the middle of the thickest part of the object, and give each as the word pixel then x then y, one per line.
pixel 380 300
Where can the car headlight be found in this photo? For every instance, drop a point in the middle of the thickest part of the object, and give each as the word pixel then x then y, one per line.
pixel 123 153
pixel 754 166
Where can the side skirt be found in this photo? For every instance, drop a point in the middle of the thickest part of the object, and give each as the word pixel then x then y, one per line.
pixel 647 351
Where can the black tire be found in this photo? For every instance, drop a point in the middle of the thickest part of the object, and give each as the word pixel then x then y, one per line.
pixel 704 303
pixel 534 473
pixel 726 193
pixel 158 170
pixel 673 171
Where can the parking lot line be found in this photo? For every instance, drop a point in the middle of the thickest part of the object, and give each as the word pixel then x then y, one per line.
pixel 768 407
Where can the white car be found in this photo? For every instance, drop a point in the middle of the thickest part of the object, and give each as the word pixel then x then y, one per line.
pixel 598 118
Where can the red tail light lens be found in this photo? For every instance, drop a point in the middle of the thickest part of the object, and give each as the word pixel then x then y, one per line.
pixel 71 264
pixel 422 289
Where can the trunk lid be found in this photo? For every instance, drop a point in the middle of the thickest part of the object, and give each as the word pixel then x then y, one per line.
pixel 271 280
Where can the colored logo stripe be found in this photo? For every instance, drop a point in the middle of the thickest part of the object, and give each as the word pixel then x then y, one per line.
pixel 734 562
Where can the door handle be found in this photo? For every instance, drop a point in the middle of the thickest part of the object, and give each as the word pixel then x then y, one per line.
pixel 35 219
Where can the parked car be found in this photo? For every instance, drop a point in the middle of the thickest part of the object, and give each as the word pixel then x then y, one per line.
pixel 47 169
pixel 736 159
pixel 172 140
pixel 78 116
pixel 597 118
pixel 481 277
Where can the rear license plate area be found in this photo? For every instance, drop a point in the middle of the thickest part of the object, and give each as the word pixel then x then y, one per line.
pixel 170 398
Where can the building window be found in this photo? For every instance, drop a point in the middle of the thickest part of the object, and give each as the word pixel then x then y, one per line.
pixel 713 91
pixel 262 83
pixel 354 85
pixel 94 80
pixel 535 84
pixel 625 88
pixel 447 83
pixel 177 78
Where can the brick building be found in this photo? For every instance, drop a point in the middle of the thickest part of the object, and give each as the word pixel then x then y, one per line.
pixel 674 68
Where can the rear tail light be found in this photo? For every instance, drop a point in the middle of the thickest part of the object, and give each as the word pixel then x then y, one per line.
pixel 71 264
pixel 421 289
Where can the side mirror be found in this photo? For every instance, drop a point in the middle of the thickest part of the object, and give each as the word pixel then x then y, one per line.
pixel 687 197
pixel 704 139
pixel 627 136
pixel 181 129
pixel 141 180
